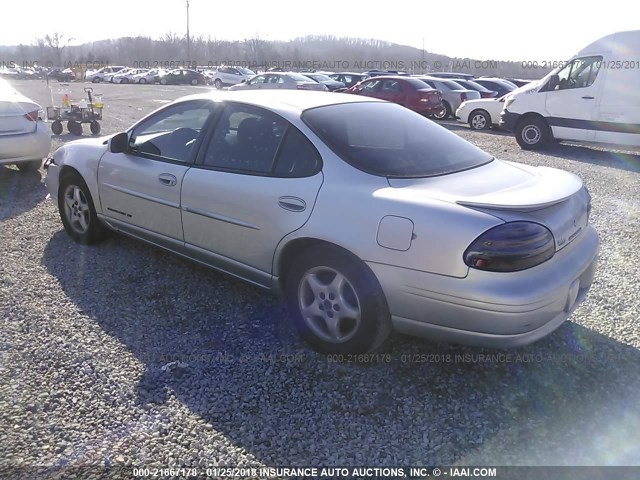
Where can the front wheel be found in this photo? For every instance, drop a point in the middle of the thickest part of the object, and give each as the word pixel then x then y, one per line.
pixel 194 81
pixel 336 302
pixel 533 133
pixel 95 127
pixel 143 80
pixel 56 127
pixel 218 83
pixel 95 80
pixel 163 81
pixel 479 120
pixel 77 211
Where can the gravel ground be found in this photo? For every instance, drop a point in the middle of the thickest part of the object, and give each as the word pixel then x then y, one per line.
pixel 85 332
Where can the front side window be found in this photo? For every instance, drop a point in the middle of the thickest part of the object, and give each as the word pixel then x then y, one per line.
pixel 172 132
pixel 388 140
pixel 257 80
pixel 579 73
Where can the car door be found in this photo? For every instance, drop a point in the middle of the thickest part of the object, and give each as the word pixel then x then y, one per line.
pixel 140 189
pixel 571 105
pixel 392 91
pixel 255 182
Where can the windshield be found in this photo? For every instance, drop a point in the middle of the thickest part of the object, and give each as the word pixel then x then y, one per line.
pixel 389 140
pixel 319 78
pixel 298 77
pixel 246 71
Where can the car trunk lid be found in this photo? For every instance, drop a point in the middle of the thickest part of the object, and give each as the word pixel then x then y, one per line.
pixel 18 118
pixel 511 192
pixel 434 97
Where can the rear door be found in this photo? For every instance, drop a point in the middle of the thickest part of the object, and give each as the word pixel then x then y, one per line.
pixel 393 90
pixel 140 189
pixel 256 181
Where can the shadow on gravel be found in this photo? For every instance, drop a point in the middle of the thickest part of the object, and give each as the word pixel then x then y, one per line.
pixel 569 399
pixel 604 158
pixel 19 191
pixel 457 126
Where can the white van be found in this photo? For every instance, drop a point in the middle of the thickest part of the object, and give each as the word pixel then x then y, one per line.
pixel 592 98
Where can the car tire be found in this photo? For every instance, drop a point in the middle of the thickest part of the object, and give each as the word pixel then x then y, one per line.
pixel 95 127
pixel 194 81
pixel 479 120
pixel 124 80
pixel 56 127
pixel 346 295
pixel 444 113
pixel 30 166
pixel 163 81
pixel 218 84
pixel 77 210
pixel 143 80
pixel 95 80
pixel 533 133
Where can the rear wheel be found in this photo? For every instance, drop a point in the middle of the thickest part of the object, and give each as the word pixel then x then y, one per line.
pixel 479 120
pixel 533 133
pixel 77 210
pixel 163 81
pixel 30 166
pixel 194 81
pixel 143 80
pixel 444 113
pixel 74 128
pixel 96 80
pixel 336 302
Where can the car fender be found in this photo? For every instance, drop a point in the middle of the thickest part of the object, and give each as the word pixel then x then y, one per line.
pixel 84 157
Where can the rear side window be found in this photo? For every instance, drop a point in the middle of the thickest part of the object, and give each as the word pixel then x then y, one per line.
pixel 388 140
pixel 297 157
pixel 251 140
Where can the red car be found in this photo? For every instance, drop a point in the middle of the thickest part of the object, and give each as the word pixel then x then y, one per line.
pixel 408 92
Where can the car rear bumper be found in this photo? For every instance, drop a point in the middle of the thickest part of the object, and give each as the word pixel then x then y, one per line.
pixel 508 120
pixel 27 146
pixel 492 309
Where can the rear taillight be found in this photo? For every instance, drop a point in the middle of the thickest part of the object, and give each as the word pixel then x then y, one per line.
pixel 463 97
pixel 511 247
pixel 33 116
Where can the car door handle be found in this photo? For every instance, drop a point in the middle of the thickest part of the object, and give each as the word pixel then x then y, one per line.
pixel 293 204
pixel 588 98
pixel 168 179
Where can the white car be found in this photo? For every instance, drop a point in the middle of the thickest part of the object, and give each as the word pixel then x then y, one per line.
pixel 127 76
pixel 225 76
pixel 24 137
pixel 279 81
pixel 149 76
pixel 481 114
pixel 366 216
pixel 108 77
pixel 97 76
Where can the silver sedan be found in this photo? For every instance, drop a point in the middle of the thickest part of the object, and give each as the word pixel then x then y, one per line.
pixel 279 81
pixel 365 215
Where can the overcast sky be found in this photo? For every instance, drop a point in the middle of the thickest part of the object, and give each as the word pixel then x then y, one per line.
pixel 520 30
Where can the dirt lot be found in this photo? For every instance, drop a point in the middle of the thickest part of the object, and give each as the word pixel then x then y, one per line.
pixel 85 332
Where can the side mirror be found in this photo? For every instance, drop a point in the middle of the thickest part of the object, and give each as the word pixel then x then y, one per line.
pixel 244 80
pixel 554 81
pixel 119 143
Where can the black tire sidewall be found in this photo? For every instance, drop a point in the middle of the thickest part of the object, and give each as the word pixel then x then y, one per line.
pixel 545 134
pixel 96 231
pixel 56 127
pixel 486 118
pixel 375 318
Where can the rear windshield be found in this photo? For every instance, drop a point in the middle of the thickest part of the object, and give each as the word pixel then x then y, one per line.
pixel 451 85
pixel 473 85
pixel 388 140
pixel 298 77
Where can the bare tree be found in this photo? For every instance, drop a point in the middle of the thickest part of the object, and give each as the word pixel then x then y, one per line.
pixel 57 42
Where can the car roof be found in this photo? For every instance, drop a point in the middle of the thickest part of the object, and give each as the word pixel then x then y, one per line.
pixel 282 99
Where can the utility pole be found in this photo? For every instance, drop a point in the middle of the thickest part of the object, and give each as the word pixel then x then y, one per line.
pixel 188 37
